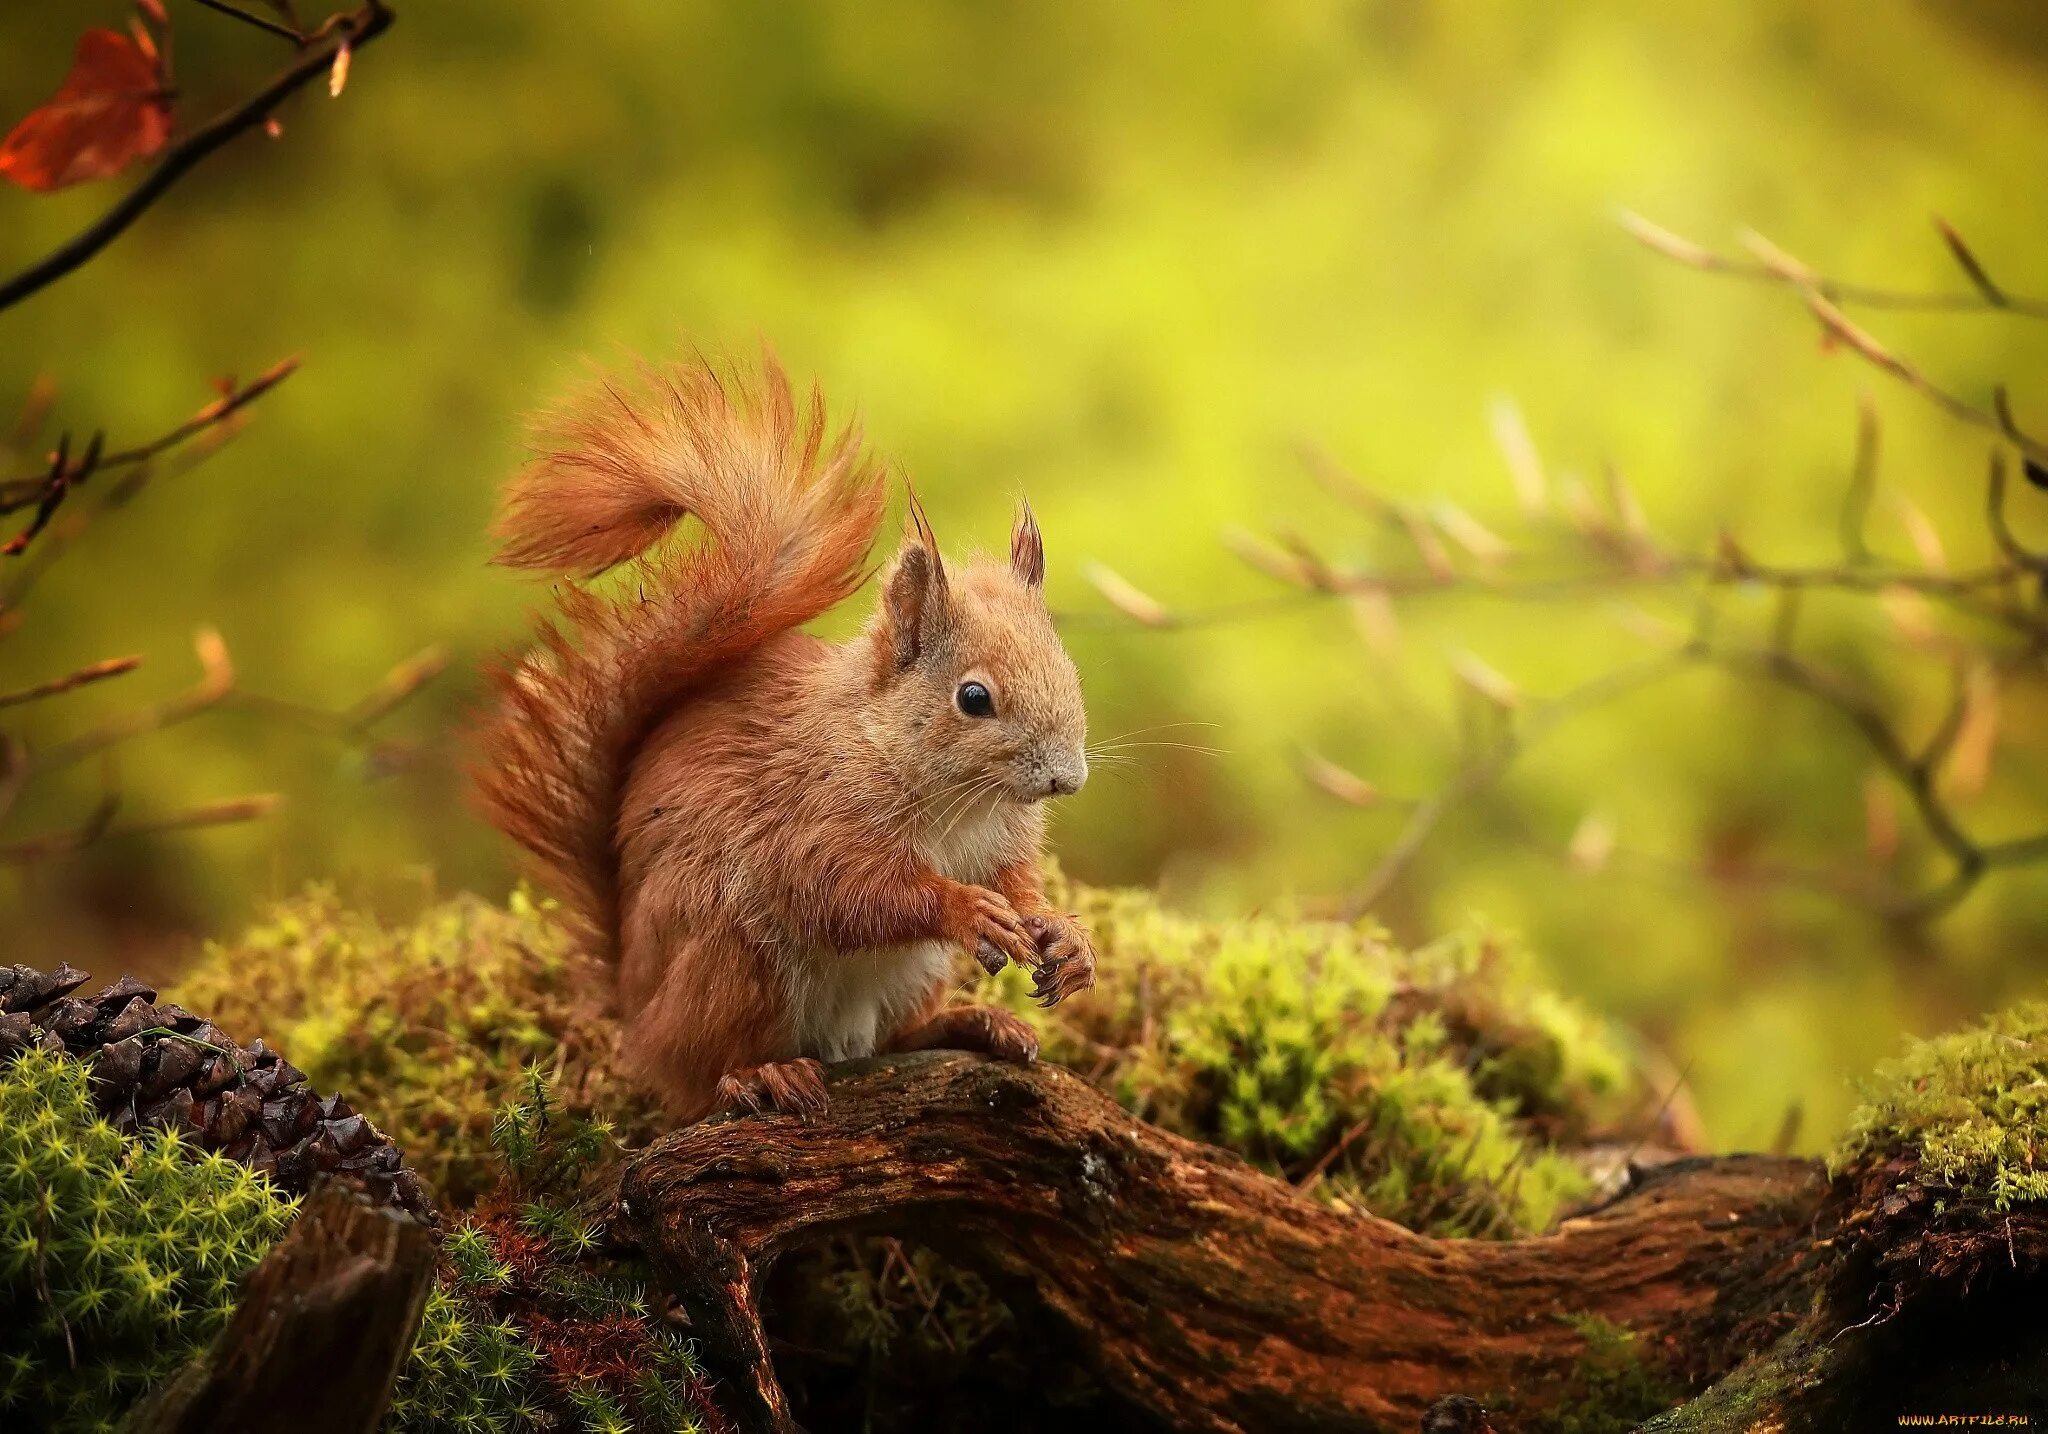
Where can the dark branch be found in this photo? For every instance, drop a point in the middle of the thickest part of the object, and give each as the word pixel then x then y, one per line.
pixel 49 490
pixel 57 485
pixel 351 31
pixel 261 22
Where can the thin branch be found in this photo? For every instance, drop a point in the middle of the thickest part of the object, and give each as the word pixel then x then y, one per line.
pixel 261 22
pixel 1885 743
pixel 62 477
pixel 101 827
pixel 1840 326
pixel 212 415
pixel 217 680
pixel 2001 530
pixel 17 765
pixel 2009 594
pixel 96 672
pixel 57 485
pixel 1698 256
pixel 1939 746
pixel 351 31
pixel 1862 484
pixel 354 725
pixel 191 443
pixel 1969 591
pixel 1487 768
pixel 1973 269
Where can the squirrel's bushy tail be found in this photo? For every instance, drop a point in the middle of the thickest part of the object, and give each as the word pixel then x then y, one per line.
pixel 789 510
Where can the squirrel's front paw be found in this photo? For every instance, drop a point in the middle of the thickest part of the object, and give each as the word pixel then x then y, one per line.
pixel 793 1087
pixel 1066 957
pixel 992 931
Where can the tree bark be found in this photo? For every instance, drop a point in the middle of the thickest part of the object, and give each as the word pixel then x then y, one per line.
pixel 1207 1293
pixel 316 1340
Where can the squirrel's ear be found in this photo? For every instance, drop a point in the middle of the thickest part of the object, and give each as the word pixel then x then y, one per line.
pixel 1027 550
pixel 914 598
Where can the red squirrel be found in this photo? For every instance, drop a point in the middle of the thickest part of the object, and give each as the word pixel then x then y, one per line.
pixel 777 841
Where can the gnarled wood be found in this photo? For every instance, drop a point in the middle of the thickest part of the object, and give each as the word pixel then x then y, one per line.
pixel 318 1335
pixel 1210 1294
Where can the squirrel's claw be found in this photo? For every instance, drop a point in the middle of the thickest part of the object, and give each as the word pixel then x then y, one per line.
pixel 1066 958
pixel 999 934
pixel 793 1087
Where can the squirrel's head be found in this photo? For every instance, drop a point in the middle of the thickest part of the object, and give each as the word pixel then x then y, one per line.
pixel 972 685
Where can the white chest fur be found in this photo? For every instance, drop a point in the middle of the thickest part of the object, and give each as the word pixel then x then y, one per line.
pixel 843 1004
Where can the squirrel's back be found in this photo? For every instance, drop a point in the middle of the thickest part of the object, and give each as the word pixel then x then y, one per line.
pixel 789 511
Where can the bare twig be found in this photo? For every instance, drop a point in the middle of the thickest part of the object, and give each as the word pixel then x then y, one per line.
pixel 95 672
pixel 213 415
pixel 1862 484
pixel 16 493
pixel 2016 552
pixel 354 726
pixel 351 31
pixel 1840 327
pixel 1967 261
pixel 102 827
pixel 1987 298
pixel 2009 596
pixel 261 22
pixel 193 441
pixel 1484 769
pixel 64 476
pixel 217 680
pixel 216 685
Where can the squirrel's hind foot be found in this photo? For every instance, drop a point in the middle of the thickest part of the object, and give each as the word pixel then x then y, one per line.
pixel 988 1029
pixel 794 1087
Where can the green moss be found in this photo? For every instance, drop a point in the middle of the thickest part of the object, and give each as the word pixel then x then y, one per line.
pixel 118 1258
pixel 1441 1087
pixel 1429 1086
pixel 1433 1086
pixel 532 1325
pixel 468 1371
pixel 1614 1387
pixel 1969 1109
pixel 424 1026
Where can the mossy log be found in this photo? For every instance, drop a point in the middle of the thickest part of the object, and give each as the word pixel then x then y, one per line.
pixel 1206 1293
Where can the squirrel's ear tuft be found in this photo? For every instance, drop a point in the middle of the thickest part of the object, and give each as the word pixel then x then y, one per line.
pixel 914 595
pixel 1027 549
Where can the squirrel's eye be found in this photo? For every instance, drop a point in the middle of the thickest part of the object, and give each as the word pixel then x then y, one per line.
pixel 974 700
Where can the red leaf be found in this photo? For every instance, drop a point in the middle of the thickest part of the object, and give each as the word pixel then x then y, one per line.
pixel 110 111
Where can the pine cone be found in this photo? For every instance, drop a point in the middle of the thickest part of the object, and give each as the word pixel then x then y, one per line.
pixel 161 1066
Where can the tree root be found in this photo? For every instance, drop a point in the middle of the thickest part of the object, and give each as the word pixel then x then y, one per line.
pixel 1205 1293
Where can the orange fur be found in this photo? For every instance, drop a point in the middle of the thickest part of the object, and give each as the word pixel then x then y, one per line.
pixel 778 841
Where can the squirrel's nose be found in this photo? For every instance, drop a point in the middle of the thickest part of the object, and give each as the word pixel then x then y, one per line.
pixel 1066 779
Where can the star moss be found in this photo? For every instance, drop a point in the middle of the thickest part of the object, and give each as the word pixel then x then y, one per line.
pixel 119 1258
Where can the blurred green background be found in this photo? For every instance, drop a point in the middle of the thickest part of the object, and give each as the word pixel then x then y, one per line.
pixel 1126 259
